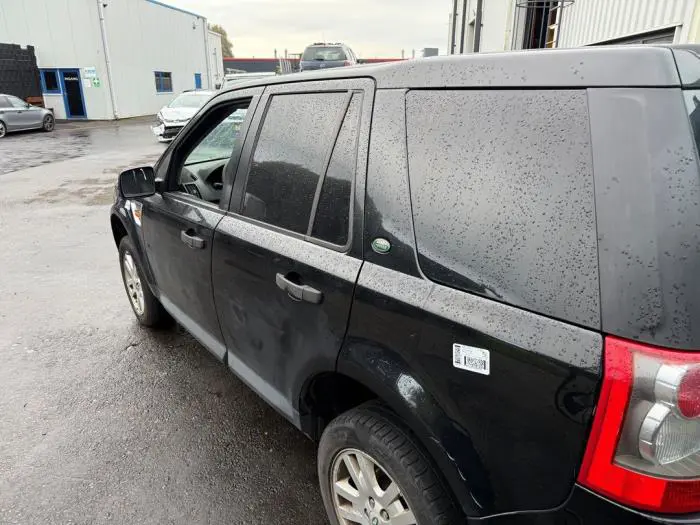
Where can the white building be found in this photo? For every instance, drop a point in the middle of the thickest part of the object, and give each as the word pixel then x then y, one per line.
pixel 527 24
pixel 106 59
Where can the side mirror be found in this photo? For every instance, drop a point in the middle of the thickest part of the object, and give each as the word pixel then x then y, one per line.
pixel 27 105
pixel 137 182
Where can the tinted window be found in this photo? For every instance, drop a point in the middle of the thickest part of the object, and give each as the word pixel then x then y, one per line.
pixel 50 80
pixel 189 100
pixel 289 157
pixel 324 53
pixel 502 190
pixel 692 103
pixel 4 103
pixel 332 219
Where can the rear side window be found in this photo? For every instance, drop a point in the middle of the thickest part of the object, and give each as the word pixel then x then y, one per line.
pixel 290 157
pixel 4 103
pixel 503 197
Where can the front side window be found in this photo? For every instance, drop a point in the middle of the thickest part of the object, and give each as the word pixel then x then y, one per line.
pixel 201 174
pixel 164 82
pixel 16 102
pixel 290 157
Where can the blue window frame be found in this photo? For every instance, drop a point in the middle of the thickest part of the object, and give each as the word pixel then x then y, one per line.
pixel 164 81
pixel 50 83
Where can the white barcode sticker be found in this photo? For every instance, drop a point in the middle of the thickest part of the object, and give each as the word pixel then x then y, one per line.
pixel 471 358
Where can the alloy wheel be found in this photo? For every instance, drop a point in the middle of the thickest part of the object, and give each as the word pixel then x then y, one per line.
pixel 48 123
pixel 3 130
pixel 364 493
pixel 133 283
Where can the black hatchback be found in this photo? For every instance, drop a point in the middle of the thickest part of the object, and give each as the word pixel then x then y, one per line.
pixel 474 280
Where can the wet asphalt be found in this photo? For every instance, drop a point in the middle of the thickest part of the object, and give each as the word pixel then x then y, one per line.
pixel 102 421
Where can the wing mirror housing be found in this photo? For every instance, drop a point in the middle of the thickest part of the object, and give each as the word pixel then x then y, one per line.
pixel 137 182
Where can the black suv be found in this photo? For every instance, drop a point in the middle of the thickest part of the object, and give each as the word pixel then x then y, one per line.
pixel 474 280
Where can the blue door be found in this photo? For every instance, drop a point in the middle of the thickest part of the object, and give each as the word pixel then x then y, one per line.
pixel 198 81
pixel 72 93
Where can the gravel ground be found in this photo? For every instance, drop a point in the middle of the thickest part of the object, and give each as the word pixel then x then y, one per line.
pixel 100 420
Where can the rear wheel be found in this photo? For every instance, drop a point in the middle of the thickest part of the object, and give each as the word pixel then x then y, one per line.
pixel 49 123
pixel 3 129
pixel 372 471
pixel 145 305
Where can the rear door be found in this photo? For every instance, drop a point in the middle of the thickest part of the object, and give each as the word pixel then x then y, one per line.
pixel 287 255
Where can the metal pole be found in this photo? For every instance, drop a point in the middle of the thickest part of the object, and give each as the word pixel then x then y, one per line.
pixel 561 17
pixel 454 28
pixel 108 62
pixel 477 25
pixel 207 59
pixel 464 26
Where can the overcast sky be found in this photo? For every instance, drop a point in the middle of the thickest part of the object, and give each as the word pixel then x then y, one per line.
pixel 372 28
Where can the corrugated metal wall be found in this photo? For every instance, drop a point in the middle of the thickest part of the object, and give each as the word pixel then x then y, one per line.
pixel 591 21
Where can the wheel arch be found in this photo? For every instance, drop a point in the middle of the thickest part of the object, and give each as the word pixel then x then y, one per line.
pixel 365 372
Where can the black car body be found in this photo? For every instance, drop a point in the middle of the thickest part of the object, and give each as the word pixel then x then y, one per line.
pixel 503 249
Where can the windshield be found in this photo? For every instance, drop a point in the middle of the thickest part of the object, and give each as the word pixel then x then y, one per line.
pixel 220 141
pixel 237 80
pixel 324 53
pixel 189 101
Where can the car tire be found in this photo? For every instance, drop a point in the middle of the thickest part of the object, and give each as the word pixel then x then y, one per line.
pixel 379 441
pixel 3 129
pixel 145 305
pixel 49 123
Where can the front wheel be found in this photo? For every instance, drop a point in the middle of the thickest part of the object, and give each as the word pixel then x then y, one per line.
pixel 49 123
pixel 372 471
pixel 145 305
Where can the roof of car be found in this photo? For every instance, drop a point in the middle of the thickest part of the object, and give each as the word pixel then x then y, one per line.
pixel 197 92
pixel 600 66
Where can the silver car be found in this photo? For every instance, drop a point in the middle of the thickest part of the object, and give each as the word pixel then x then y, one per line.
pixel 17 115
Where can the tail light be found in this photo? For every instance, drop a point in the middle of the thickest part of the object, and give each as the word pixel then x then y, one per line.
pixel 347 63
pixel 644 448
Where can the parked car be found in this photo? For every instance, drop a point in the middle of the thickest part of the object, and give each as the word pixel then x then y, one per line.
pixel 232 79
pixel 478 289
pixel 173 117
pixel 18 115
pixel 325 56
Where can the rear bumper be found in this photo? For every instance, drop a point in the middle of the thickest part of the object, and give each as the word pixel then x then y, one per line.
pixel 586 508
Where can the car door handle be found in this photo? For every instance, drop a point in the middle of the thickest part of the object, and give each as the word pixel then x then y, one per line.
pixel 191 240
pixel 298 292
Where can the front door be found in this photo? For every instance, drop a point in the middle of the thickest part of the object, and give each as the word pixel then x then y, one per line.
pixel 179 222
pixel 72 93
pixel 287 256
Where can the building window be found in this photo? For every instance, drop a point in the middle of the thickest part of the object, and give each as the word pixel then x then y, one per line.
pixel 164 82
pixel 49 82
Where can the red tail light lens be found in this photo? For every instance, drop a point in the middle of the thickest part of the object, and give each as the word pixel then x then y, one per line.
pixel 644 448
pixel 347 63
pixel 689 394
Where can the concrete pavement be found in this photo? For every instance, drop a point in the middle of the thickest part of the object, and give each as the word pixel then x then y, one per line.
pixel 100 420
